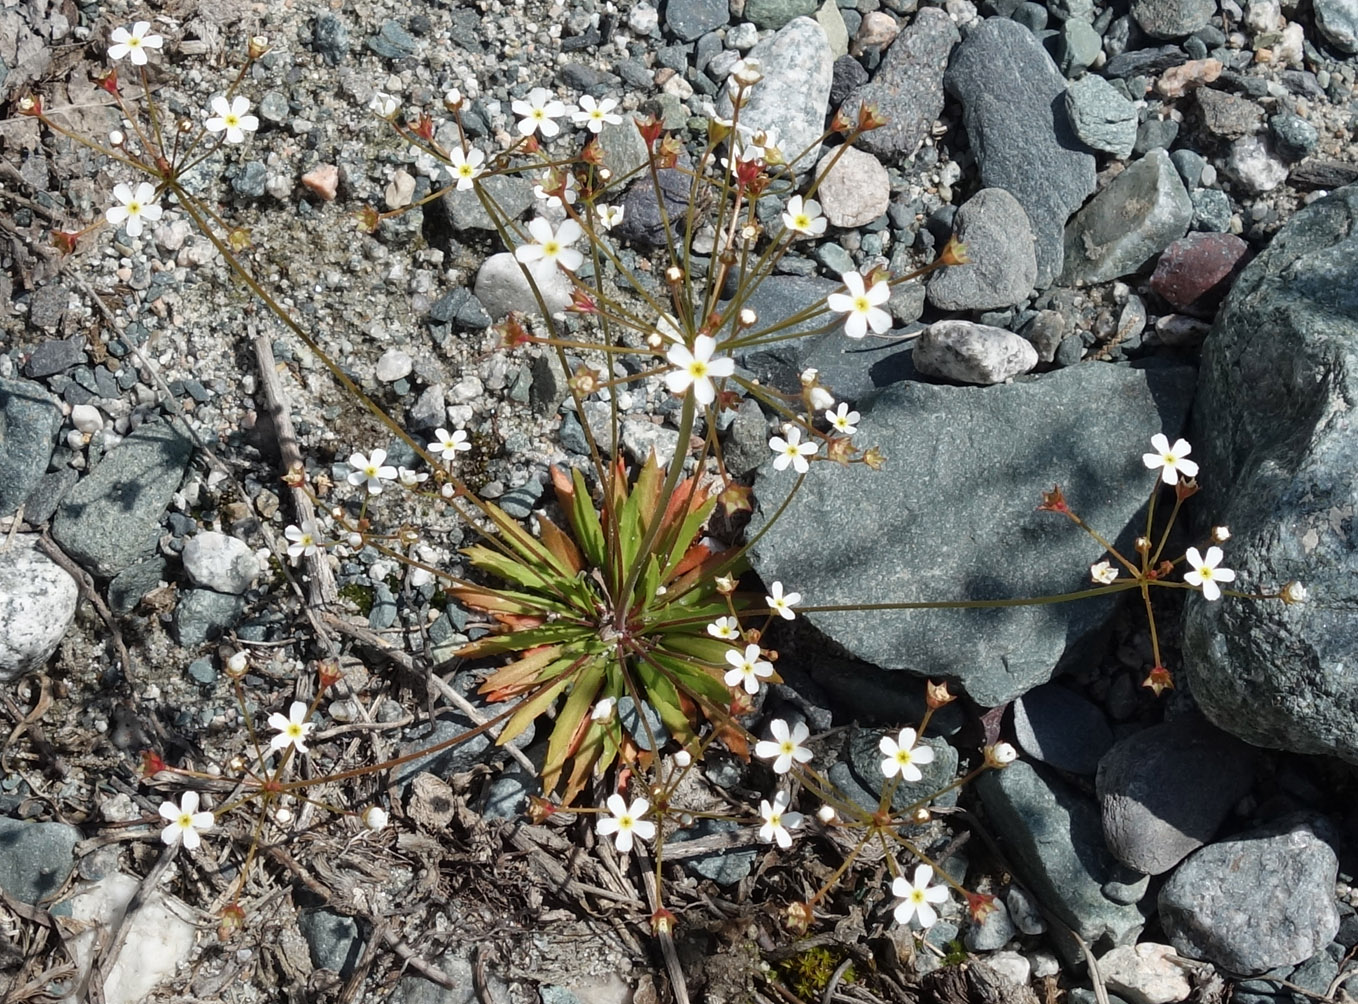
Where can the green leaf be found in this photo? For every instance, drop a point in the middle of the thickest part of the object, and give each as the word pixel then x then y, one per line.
pixel 589 534
pixel 573 712
pixel 530 709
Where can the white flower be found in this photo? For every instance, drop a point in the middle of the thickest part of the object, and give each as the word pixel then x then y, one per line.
pixel 1000 755
pixel 792 451
pixel 446 445
pixel 408 478
pixel 185 820
pixel 804 217
pixel 780 604
pixel 136 206
pixel 371 471
pixel 466 167
pixel 384 105
pixel 697 368
pixel 821 399
pixel 374 818
pixel 603 710
pixel 609 216
pixel 747 72
pixel 552 246
pixel 917 898
pixel 1169 459
pixel 843 420
pixel 292 730
pixel 862 305
pixel 569 187
pixel 1203 571
pixel 747 669
pixel 901 756
pixel 785 748
pixel 593 115
pixel 1103 572
pixel 231 116
pixel 777 821
pixel 134 42
pixel 626 822
pixel 538 112
pixel 303 538
pixel 725 628
pixel 1220 534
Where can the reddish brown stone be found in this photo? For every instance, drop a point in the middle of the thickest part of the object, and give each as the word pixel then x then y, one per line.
pixel 1195 272
pixel 324 181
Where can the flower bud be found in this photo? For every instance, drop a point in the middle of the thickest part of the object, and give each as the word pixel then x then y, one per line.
pixel 374 818
pixel 603 710
pixel 1220 534
pixel 683 758
pixel 1000 755
pixel 1294 592
pixel 259 44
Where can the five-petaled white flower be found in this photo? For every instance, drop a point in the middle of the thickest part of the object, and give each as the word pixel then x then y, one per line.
pixel 843 420
pixel 593 115
pixel 371 471
pixel 466 166
pixel 1103 572
pixel 185 821
pixel 792 451
pixel 696 369
pixel 408 478
pixel 303 539
pixel 231 116
pixel 864 306
pixel 538 112
pixel 447 445
pixel 134 42
pixel 292 730
pixel 901 756
pixel 1203 571
pixel 136 206
pixel 609 216
pixel 725 628
pixel 785 748
pixel 780 603
pixel 552 246
pixel 1170 459
pixel 777 821
pixel 747 669
pixel 917 897
pixel 804 217
pixel 626 822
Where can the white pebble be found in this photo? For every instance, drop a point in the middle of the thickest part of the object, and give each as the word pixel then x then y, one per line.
pixel 86 418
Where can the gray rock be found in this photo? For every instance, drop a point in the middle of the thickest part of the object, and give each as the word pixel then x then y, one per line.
pixel 993 932
pixel 1003 264
pixel 38 858
pixel 47 306
pixel 1172 18
pixel 972 353
pixel 1054 839
pixel 1338 22
pixel 1260 900
pixel 204 615
pixel 501 286
pixel 722 867
pixel 128 587
pixel 1293 136
pixel 54 356
pixel 215 561
pixel 47 495
pixel 907 87
pixel 777 13
pixel 1278 459
pixel 624 149
pixel 1139 214
pixel 1164 791
pixel 507 796
pixel 689 19
pixel 1046 332
pixel 1080 46
pixel 1009 88
pixel 1061 728
pixel 392 41
pixel 1227 115
pixel 37 604
pixel 456 965
pixel 273 107
pixel 643 222
pixel 512 196
pixel 29 421
pixel 793 96
pixel 330 37
pixel 459 757
pixel 461 307
pixel 1211 210
pixel 848 74
pixel 333 940
pixel 1101 116
pixel 112 517
pixel 855 190
pixel 862 756
pixel 645 727
pixel 978 461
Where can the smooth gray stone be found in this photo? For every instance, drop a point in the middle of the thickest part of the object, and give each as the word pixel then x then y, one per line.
pixel 1010 92
pixel 511 195
pixel 1275 440
pixel 1062 729
pixel 1141 212
pixel 1337 20
pixel 202 615
pixel 333 939
pixel 966 467
pixel 29 420
pixel 36 859
pixel 1003 264
pixel 111 519
pixel 722 867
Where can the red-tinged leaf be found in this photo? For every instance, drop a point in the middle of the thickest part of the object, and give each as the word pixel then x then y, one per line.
pixel 520 674
pixel 560 545
pixel 531 708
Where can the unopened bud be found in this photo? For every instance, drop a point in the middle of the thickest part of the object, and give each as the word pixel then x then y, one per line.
pixel 1294 592
pixel 374 818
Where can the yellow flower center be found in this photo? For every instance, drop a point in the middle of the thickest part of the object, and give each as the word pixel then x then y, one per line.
pixel 232 120
pixel 1205 572
pixel 551 249
pixel 775 819
pixel 134 42
pixel 134 208
pixel 787 747
pixel 803 221
pixel 697 369
pixel 861 305
pixel 185 821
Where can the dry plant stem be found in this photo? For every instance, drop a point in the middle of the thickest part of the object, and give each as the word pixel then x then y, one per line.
pixel 665 937
pixel 321 589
